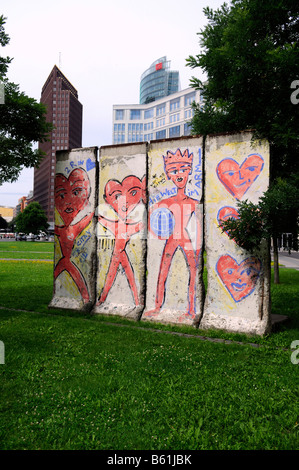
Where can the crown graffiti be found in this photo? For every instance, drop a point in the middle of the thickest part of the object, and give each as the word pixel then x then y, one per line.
pixel 178 157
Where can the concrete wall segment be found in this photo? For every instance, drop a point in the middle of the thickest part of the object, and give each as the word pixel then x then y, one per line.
pixel 175 235
pixel 238 282
pixel 75 195
pixel 121 231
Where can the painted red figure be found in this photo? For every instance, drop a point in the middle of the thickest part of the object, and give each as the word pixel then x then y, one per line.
pixel 181 207
pixel 123 197
pixel 71 196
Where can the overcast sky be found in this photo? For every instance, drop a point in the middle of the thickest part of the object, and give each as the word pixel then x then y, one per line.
pixel 102 47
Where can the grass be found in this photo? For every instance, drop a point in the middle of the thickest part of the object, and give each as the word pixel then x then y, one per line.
pixel 72 381
pixel 26 250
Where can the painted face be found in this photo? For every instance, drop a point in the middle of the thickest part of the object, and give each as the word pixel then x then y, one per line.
pixel 236 178
pixel 124 196
pixel 71 194
pixel 239 279
pixel 178 173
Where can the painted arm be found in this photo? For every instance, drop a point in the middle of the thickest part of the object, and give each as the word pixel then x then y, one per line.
pixel 82 224
pixel 134 227
pixel 107 223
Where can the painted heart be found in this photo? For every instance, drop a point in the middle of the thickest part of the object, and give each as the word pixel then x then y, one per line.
pixel 226 213
pixel 71 194
pixel 239 279
pixel 90 164
pixel 124 196
pixel 237 179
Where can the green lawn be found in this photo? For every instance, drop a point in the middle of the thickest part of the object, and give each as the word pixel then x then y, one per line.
pixel 74 381
pixel 26 250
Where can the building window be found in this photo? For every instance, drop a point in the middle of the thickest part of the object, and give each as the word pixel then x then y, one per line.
pixel 161 122
pixel 189 99
pixel 149 126
pixel 149 113
pixel 119 138
pixel 188 113
pixel 135 114
pixel 174 131
pixel 161 110
pixel 187 129
pixel 119 114
pixel 119 127
pixel 174 117
pixel 174 104
pixel 161 134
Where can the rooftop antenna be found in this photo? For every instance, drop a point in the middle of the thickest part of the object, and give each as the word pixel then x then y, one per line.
pixel 60 60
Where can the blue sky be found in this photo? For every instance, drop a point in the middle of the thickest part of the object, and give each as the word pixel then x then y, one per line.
pixel 103 48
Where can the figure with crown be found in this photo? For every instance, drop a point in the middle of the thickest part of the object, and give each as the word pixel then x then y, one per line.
pixel 181 208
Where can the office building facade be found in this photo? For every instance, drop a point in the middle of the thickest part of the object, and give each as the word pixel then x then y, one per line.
pixel 161 119
pixel 65 111
pixel 158 81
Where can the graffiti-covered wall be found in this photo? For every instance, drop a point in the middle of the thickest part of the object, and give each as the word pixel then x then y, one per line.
pixel 175 232
pixel 75 196
pixel 238 282
pixel 134 226
pixel 121 231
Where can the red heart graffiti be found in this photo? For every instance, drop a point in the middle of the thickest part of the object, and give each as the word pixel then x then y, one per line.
pixel 236 178
pixel 71 194
pixel 124 196
pixel 226 213
pixel 239 279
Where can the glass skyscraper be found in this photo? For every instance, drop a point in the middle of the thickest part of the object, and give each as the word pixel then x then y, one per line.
pixel 158 81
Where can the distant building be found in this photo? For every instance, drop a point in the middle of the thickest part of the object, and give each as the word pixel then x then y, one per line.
pixel 6 213
pixel 161 119
pixel 158 81
pixel 22 204
pixel 65 111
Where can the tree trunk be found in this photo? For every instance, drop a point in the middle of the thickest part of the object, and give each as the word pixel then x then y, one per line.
pixel 275 260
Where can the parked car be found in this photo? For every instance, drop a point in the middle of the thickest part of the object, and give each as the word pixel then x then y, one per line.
pixel 31 237
pixel 21 237
pixel 42 236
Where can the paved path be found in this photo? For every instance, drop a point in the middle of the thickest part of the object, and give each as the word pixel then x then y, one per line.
pixel 288 261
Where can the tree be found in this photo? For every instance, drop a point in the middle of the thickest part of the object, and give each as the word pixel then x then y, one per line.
pixel 251 57
pixel 22 122
pixel 33 219
pixel 270 217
